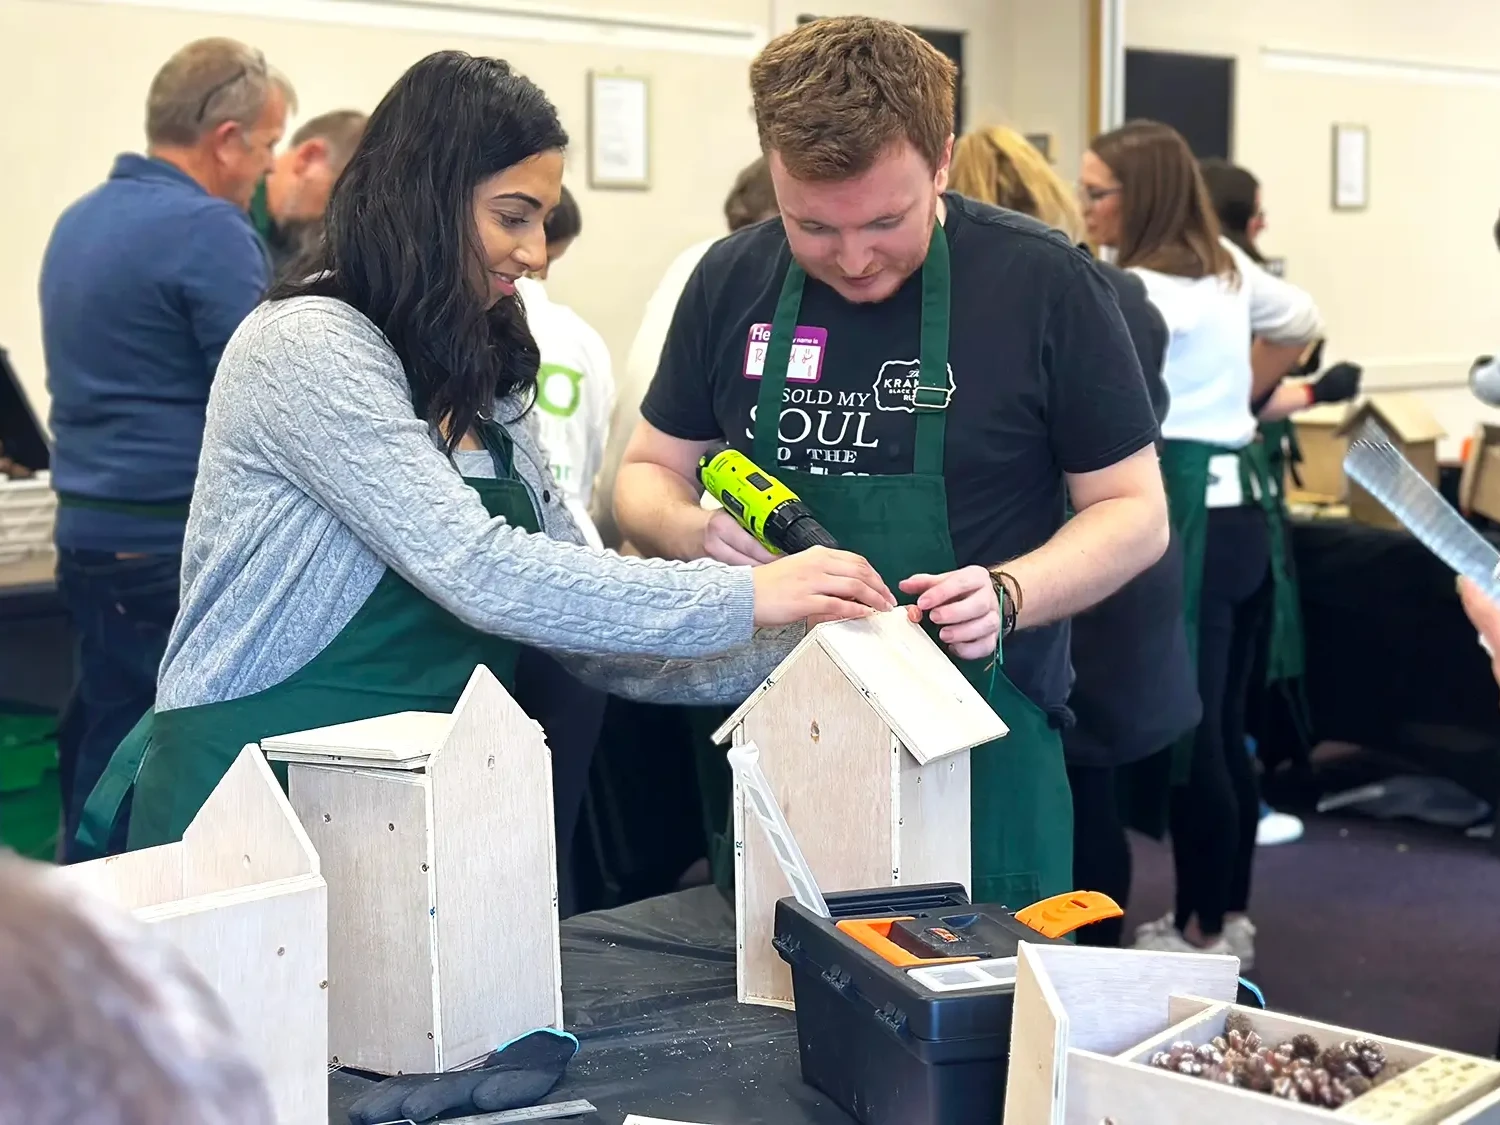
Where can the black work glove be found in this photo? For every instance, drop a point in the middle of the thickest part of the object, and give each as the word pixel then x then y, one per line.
pixel 1339 383
pixel 521 1073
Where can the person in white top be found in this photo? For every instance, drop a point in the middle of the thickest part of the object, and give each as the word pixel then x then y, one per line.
pixel 574 396
pixel 1144 196
pixel 575 391
pixel 751 200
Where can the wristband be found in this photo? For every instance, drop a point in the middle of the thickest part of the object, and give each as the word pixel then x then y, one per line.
pixel 1008 593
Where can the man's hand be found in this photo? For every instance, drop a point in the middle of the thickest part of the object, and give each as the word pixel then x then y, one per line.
pixel 1484 615
pixel 963 602
pixel 724 539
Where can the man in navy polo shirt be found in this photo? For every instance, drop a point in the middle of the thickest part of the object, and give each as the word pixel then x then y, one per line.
pixel 143 282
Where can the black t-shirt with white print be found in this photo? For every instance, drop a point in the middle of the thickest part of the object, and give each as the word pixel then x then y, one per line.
pixel 1044 377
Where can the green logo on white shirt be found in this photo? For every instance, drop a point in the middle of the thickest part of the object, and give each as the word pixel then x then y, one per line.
pixel 559 389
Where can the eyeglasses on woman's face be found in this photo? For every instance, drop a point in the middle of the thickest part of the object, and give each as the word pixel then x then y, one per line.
pixel 1090 195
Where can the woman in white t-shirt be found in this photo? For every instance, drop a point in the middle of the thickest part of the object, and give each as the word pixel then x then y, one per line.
pixel 1144 197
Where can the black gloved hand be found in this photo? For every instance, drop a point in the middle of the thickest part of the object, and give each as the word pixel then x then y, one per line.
pixel 1339 383
pixel 520 1073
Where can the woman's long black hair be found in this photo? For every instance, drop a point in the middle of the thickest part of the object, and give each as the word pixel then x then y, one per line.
pixel 1234 191
pixel 400 243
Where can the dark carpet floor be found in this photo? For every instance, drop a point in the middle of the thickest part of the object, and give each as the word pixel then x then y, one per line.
pixel 1387 927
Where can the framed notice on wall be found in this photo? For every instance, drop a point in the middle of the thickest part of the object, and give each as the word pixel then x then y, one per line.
pixel 1351 167
pixel 619 131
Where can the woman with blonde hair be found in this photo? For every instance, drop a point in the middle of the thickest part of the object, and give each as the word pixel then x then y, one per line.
pixel 1126 709
pixel 1000 167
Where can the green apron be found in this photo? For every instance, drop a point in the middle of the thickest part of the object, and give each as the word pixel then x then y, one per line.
pixel 399 652
pixel 1184 467
pixel 1021 820
pixel 260 213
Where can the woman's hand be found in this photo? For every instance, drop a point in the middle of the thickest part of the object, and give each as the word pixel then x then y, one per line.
pixel 819 584
pixel 1484 615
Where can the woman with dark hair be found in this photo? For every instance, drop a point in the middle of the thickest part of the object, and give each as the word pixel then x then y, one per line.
pixel 1236 195
pixel 1144 196
pixel 373 516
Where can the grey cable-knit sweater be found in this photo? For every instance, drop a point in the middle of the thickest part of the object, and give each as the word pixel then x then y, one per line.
pixel 316 475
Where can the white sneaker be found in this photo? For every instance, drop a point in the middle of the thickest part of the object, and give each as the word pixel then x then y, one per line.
pixel 1239 935
pixel 1166 924
pixel 1170 941
pixel 1278 828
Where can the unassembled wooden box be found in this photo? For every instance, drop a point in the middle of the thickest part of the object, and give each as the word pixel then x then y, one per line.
pixel 864 732
pixel 1087 1022
pixel 436 837
pixel 241 896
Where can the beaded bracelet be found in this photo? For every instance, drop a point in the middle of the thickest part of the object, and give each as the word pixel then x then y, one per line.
pixel 1010 603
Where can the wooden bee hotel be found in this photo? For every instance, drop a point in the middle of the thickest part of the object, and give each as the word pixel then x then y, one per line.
pixel 1122 1037
pixel 242 897
pixel 864 732
pixel 436 836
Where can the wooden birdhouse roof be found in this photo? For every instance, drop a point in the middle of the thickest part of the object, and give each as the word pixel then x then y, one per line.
pixel 904 677
pixel 1405 417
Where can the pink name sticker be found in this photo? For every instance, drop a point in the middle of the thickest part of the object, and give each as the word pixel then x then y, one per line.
pixel 806 362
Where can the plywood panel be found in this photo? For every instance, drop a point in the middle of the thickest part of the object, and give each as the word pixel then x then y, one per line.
pixel 932 825
pixel 1115 998
pixel 827 756
pixel 390 741
pixel 370 832
pixel 1038 1046
pixel 498 965
pixel 134 879
pixel 246 832
pixel 264 951
pixel 1100 1088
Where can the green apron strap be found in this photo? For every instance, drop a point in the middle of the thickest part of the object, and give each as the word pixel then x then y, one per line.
pixel 96 823
pixel 773 373
pixel 932 395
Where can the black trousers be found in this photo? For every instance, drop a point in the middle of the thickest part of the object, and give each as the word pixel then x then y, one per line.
pixel 1213 817
pixel 571 714
pixel 1101 853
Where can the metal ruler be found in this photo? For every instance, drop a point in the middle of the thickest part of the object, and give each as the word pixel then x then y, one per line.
pixel 528 1113
pixel 1376 464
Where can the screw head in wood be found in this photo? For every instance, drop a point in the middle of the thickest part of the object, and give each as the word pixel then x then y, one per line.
pixel 324 984
pixel 392 827
pixel 815 732
pixel 489 762
pixel 424 867
pixel 281 952
pixel 327 817
pixel 245 860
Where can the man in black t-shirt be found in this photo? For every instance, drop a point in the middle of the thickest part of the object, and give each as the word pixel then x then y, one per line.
pixel 947 377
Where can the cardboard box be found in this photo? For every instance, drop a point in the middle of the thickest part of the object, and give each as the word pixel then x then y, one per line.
pixel 1415 432
pixel 1323 436
pixel 1479 489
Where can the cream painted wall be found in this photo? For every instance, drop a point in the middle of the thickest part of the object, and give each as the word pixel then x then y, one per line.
pixel 1410 286
pixel 1025 63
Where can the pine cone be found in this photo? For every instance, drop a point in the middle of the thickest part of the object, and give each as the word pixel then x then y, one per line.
pixel 1254 1073
pixel 1220 1042
pixel 1161 1059
pixel 1389 1071
pixel 1340 1062
pixel 1283 1087
pixel 1356 1084
pixel 1238 1021
pixel 1210 1055
pixel 1370 1055
pixel 1304 1046
pixel 1190 1066
pixel 1283 1054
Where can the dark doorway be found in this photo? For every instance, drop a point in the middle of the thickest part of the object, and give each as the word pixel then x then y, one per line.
pixel 951 43
pixel 1192 93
